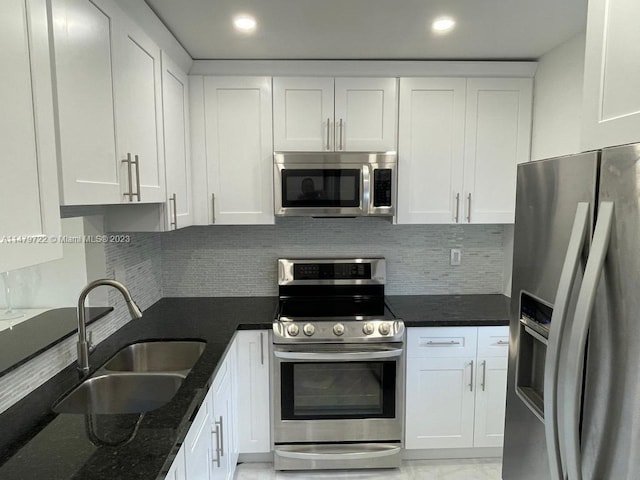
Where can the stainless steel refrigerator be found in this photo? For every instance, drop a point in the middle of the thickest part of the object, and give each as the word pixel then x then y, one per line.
pixel 573 391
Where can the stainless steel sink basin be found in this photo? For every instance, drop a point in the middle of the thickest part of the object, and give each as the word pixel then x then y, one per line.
pixel 162 356
pixel 116 393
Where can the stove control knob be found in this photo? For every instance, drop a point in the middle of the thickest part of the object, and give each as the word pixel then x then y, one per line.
pixel 309 329
pixel 384 328
pixel 368 328
pixel 338 329
pixel 293 330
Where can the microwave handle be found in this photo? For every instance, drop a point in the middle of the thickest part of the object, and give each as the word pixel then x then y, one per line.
pixel 366 189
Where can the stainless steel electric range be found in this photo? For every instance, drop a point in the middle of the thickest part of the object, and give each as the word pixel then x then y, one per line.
pixel 338 369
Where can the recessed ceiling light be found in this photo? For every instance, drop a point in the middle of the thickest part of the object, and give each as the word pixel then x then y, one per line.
pixel 245 23
pixel 443 25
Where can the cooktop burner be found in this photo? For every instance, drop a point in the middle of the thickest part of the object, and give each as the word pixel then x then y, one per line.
pixel 334 301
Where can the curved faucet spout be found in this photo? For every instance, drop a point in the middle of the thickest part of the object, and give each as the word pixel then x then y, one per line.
pixel 83 344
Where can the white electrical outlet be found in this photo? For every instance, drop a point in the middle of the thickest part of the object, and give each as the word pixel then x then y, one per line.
pixel 456 256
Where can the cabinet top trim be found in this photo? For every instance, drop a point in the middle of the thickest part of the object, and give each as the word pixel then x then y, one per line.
pixel 363 68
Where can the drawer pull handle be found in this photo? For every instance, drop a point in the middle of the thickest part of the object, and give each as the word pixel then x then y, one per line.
pixel 503 342
pixel 452 342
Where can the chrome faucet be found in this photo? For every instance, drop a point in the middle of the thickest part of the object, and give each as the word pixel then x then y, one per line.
pixel 84 345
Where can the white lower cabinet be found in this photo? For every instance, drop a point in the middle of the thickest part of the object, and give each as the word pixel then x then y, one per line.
pixel 177 471
pixel 254 409
pixel 197 444
pixel 456 387
pixel 211 445
pixel 224 430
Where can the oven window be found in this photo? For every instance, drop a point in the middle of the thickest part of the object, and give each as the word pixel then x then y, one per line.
pixel 338 390
pixel 320 188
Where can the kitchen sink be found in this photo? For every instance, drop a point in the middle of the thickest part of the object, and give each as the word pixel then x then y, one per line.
pixel 118 393
pixel 161 356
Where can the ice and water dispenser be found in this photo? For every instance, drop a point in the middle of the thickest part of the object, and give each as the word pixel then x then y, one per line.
pixel 535 320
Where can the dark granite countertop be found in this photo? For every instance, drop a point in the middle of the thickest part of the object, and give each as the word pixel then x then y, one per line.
pixel 37 443
pixel 30 338
pixel 450 310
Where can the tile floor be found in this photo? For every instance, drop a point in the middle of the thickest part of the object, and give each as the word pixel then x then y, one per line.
pixel 455 469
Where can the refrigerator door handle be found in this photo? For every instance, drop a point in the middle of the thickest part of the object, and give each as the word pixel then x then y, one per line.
pixel 578 338
pixel 556 330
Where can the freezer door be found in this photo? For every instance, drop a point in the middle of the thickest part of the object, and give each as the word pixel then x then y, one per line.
pixel 548 193
pixel 611 412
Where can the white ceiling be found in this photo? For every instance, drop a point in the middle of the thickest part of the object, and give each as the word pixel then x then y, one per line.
pixel 372 29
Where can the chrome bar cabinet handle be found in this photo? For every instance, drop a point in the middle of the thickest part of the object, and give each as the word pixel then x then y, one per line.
pixel 174 223
pixel 213 208
pixel 328 134
pixel 137 164
pixel 452 342
pixel 484 375
pixel 457 216
pixel 216 431
pixel 128 161
pixel 469 208
pixel 471 377
pixel 221 445
pixel 261 348
pixel 341 127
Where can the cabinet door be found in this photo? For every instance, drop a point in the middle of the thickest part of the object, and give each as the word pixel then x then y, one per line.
pixel 440 402
pixel 239 150
pixel 491 394
pixel 84 44
pixel 498 134
pixel 177 471
pixel 303 114
pixel 175 104
pixel 197 444
pixel 223 414
pixel 254 430
pixel 611 98
pixel 139 111
pixel 431 150
pixel 28 184
pixel 366 110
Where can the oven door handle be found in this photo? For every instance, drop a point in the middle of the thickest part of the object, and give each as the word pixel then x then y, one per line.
pixel 339 356
pixel 338 456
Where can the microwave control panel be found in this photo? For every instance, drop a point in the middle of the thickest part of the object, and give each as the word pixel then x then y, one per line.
pixel 382 187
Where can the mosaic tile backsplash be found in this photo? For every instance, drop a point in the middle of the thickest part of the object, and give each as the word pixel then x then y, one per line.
pixel 241 260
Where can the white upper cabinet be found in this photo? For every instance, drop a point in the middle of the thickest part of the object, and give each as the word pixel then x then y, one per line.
pixel 460 141
pixel 498 138
pixel 139 110
pixel 327 114
pixel 84 43
pixel 108 91
pixel 175 104
pixel 611 105
pixel 431 149
pixel 303 114
pixel 28 184
pixel 239 153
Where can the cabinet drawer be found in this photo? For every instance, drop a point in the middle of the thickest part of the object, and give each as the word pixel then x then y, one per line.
pixel 493 341
pixel 442 342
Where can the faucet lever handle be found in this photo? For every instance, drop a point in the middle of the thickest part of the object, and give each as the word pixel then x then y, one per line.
pixel 90 344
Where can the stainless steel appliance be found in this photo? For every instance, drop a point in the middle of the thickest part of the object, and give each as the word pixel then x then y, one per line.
pixel 573 387
pixel 335 184
pixel 338 369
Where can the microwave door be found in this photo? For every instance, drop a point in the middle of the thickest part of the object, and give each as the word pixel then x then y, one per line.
pixel 320 190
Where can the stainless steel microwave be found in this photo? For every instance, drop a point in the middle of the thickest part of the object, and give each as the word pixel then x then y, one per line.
pixel 340 184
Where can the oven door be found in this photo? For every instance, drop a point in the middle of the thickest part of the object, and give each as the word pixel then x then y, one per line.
pixel 338 393
pixel 321 190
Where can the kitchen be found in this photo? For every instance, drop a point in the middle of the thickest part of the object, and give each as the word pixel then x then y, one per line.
pixel 237 258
